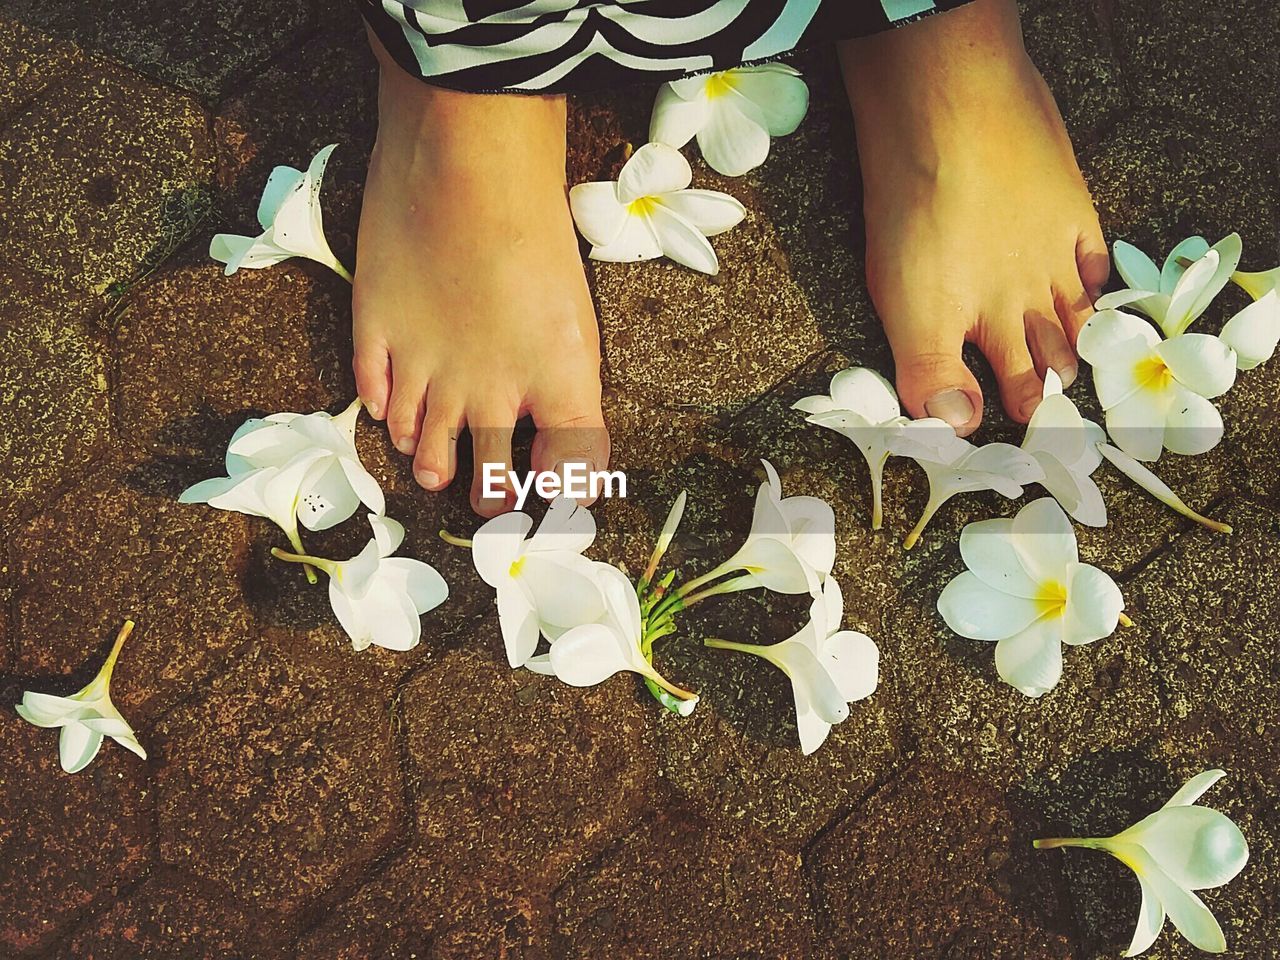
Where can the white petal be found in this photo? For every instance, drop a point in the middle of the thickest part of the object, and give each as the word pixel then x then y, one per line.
pixel 1137 269
pixel 349 615
pixel 266 443
pixel 1115 385
pixel 328 499
pixel 252 253
pixel 676 120
pixel 567 527
pixel 589 654
pixel 519 623
pixel 1056 427
pixel 244 494
pixel 682 242
pixel 1045 540
pixel 1194 789
pixel 1031 661
pixel 1193 424
pixel 1075 491
pixel 395 621
pixel 636 242
pixel 1185 909
pixel 812 524
pixel 419 581
pixel 781 98
pixel 563 587
pixel 1006 461
pixel 1201 282
pixel 865 392
pixel 282 182
pixel 690 88
pixel 46 710
pixel 812 728
pixel 987 547
pixel 1154 305
pixel 1150 920
pixel 810 681
pixel 541 664
pixel 974 610
pixel 364 485
pixel 1197 847
pixel 853 661
pixel 815 405
pixel 1147 480
pixel 497 544
pixel 1254 332
pixel 621 600
pixel 653 169
pixel 775 565
pixel 1138 424
pixel 77 746
pixel 388 533
pixel 734 139
pixel 1094 603
pixel 1200 362
pixel 1190 249
pixel 709 211
pixel 597 212
pixel 1115 338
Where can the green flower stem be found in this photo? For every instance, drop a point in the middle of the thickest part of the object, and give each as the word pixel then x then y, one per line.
pixel 930 509
pixel 343 272
pixel 707 577
pixel 308 562
pixel 1125 621
pixel 104 675
pixel 664 698
pixel 747 582
pixel 877 493
pixel 449 538
pixel 295 540
pixel 1053 843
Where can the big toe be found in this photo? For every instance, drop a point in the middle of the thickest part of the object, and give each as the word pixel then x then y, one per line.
pixel 572 440
pixel 933 381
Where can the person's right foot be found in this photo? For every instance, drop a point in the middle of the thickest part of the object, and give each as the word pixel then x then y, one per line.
pixel 470 302
pixel 979 225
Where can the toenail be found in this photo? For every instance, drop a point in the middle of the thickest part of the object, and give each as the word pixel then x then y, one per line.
pixel 375 409
pixel 952 406
pixel 405 444
pixel 428 479
pixel 581 478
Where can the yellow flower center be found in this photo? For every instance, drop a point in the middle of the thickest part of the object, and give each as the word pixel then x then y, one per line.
pixel 1152 373
pixel 642 206
pixel 516 566
pixel 719 84
pixel 1052 600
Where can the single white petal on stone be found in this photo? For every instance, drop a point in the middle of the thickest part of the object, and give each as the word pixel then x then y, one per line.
pixel 987 547
pixel 77 746
pixel 676 120
pixel 519 623
pixel 1198 848
pixel 653 169
pixel 681 241
pixel 1194 789
pixel 734 139
pixel 1144 478
pixel 975 610
pixel 497 545
pixel 1031 660
pixel 1137 269
pixel 637 241
pixel 1190 250
pixel 1045 540
pixel 1254 332
pixel 597 212
pixel 780 96
pixel 1193 424
pixel 1187 911
pixel 709 211
pixel 1150 920
pixel 1094 604
pixel 1200 362
pixel 1138 424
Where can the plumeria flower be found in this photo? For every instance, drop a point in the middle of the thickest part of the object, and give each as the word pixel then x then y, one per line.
pixel 863 407
pixel 829 668
pixel 1156 392
pixel 292 223
pixel 1254 332
pixel 1065 445
pixel 954 465
pixel 1027 590
pixel 1149 482
pixel 85 717
pixel 544 584
pixel 379 599
pixel 591 653
pixel 1173 852
pixel 1259 284
pixel 733 113
pixel 649 212
pixel 1179 292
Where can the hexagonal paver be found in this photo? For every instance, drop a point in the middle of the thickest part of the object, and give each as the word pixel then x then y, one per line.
pixel 278 780
pixel 537 775
pixel 118 547
pixel 66 840
pixel 102 178
pixel 34 61
pixel 202 51
pixel 939 864
pixel 53 399
pixel 171 915
pixel 689 887
pixel 199 353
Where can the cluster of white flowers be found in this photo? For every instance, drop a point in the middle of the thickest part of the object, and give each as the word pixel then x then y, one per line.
pixel 649 211
pixel 598 623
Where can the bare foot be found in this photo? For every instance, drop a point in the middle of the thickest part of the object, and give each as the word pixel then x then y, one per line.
pixel 979 225
pixel 471 305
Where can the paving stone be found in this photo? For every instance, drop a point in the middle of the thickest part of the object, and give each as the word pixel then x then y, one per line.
pixel 939 863
pixel 203 51
pixel 1075 52
pixel 34 64
pixel 1251 444
pixel 120 547
pixel 54 415
pixel 171 915
pixel 200 352
pixel 66 841
pixel 535 774
pixel 103 179
pixel 279 781
pixel 687 886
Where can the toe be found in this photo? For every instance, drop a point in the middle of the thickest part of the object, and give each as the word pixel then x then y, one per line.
pixel 1073 305
pixel 933 380
pixel 491 492
pixel 1092 260
pixel 404 413
pixel 571 429
pixel 1005 346
pixel 1049 345
pixel 437 458
pixel 372 366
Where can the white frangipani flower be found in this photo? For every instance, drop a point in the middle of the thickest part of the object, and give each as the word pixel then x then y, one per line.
pixel 1065 445
pixel 379 599
pixel 1259 284
pixel 954 465
pixel 1173 852
pixel 1156 392
pixel 1027 590
pixel 733 113
pixel 1149 482
pixel 591 653
pixel 1175 295
pixel 649 212
pixel 544 585
pixel 85 717
pixel 1254 332
pixel 292 223
pixel 829 668
pixel 863 407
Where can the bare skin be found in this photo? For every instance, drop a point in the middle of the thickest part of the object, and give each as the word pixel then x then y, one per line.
pixel 979 225
pixel 471 304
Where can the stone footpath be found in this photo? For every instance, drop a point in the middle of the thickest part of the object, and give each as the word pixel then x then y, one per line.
pixel 303 801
